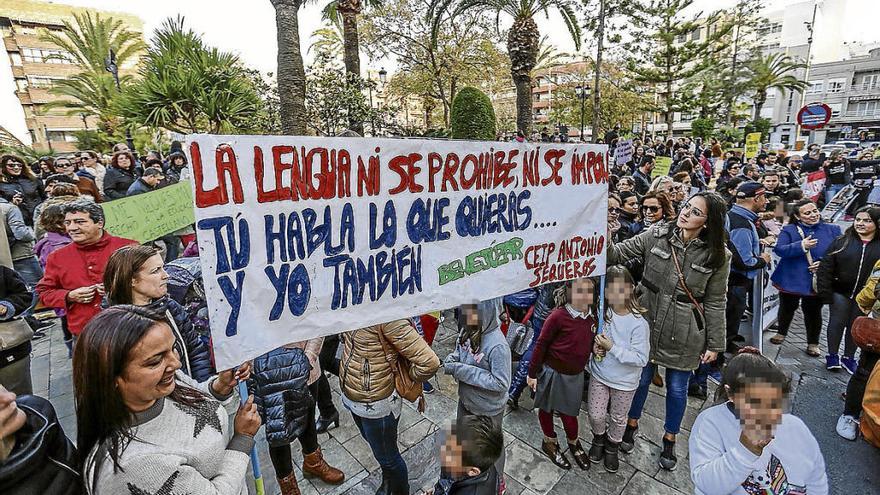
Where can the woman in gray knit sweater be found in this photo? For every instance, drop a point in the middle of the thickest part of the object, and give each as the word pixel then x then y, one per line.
pixel 143 427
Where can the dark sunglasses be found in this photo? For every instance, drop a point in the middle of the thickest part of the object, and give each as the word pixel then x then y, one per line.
pixel 613 210
pixel 652 209
pixel 14 165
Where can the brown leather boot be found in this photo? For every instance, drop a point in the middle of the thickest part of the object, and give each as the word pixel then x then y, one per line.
pixel 288 485
pixel 315 465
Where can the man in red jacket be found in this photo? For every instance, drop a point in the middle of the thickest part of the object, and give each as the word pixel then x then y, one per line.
pixel 74 274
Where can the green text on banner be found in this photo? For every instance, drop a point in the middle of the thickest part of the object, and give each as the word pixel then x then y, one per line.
pixel 149 216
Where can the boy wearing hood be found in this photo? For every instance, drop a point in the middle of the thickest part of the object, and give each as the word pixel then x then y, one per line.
pixel 481 365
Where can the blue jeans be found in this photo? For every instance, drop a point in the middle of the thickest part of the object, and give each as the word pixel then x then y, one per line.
pixel 831 190
pixel 30 271
pixel 381 435
pixel 701 375
pixel 518 383
pixel 676 396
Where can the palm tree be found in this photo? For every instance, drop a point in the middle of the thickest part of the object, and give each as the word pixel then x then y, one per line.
pixel 291 70
pixel 548 56
pixel 347 11
pixel 186 86
pixel 772 72
pixel 88 41
pixel 522 39
pixel 328 40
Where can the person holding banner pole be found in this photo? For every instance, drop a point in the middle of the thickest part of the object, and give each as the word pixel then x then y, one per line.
pixel 683 290
pixel 370 393
pixel 136 275
pixel 284 386
pixel 145 428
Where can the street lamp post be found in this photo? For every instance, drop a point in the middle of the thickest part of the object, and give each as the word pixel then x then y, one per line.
pixel 111 67
pixel 582 92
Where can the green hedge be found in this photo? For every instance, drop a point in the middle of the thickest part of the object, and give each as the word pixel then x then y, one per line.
pixel 472 115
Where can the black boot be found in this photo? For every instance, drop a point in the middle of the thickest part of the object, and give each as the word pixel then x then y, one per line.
pixel 324 424
pixel 629 439
pixel 597 449
pixel 611 461
pixel 668 460
pixel 384 488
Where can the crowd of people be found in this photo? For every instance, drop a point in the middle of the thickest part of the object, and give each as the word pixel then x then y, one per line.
pixel 686 249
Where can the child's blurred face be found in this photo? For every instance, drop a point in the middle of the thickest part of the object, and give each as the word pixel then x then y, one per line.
pixel 760 405
pixel 618 292
pixel 471 316
pixel 451 462
pixel 581 294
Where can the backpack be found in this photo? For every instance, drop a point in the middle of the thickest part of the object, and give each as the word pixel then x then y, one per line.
pixel 870 422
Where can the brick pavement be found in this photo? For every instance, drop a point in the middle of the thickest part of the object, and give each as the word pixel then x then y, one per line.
pixel 528 470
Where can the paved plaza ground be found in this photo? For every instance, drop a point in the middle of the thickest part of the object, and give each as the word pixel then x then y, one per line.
pixel 853 467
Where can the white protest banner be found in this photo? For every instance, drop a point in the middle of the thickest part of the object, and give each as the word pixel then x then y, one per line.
pixel 624 152
pixel 306 236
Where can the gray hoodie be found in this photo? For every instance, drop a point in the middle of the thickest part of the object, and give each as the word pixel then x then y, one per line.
pixel 483 377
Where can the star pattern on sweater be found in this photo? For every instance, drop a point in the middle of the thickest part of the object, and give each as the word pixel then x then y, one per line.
pixel 205 413
pixel 167 488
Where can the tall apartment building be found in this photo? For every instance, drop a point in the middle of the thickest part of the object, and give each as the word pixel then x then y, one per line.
pixel 36 65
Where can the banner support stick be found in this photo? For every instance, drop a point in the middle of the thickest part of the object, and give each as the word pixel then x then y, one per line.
pixel 255 461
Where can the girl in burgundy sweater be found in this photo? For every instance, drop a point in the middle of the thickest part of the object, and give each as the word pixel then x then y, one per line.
pixel 556 373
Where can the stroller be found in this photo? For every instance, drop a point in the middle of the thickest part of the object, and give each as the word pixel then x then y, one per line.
pixel 518 308
pixel 185 286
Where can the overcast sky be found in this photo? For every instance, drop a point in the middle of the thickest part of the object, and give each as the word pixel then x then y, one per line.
pixel 248 29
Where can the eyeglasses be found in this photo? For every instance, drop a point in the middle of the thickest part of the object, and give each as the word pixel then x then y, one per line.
pixel 613 211
pixel 14 165
pixel 652 209
pixel 63 165
pixel 692 211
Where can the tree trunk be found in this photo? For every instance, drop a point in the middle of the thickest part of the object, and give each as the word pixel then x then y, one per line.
pixel 760 98
pixel 291 71
pixel 349 11
pixel 597 119
pixel 522 48
pixel 523 85
pixel 669 111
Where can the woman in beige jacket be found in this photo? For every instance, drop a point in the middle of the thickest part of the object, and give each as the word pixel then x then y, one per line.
pixel 368 390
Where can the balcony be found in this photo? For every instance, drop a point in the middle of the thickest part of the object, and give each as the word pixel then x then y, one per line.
pixel 860 90
pixel 862 115
pixel 10 44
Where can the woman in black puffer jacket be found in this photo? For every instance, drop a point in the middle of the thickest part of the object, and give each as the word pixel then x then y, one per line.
pixel 42 460
pixel 284 388
pixel 20 187
pixel 136 275
pixel 121 173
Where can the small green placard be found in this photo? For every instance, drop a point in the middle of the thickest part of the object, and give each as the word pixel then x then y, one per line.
pixel 662 164
pixel 149 216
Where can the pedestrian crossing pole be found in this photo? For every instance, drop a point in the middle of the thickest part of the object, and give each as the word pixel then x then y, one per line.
pixel 255 461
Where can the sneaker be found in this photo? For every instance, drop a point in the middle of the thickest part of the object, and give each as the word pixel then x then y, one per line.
pixel 715 376
pixel 427 388
pixel 849 364
pixel 832 362
pixel 668 460
pixel 847 427
pixel 629 439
